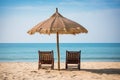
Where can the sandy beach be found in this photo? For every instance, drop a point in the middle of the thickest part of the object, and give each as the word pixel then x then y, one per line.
pixel 89 71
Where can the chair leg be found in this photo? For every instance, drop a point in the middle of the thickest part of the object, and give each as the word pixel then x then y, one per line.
pixel 52 66
pixel 39 66
pixel 79 66
pixel 66 66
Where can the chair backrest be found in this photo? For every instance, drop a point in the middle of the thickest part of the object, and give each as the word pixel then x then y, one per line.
pixel 73 56
pixel 46 56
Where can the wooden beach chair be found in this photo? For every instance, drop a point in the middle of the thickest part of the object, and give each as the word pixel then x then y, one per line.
pixel 73 57
pixel 46 57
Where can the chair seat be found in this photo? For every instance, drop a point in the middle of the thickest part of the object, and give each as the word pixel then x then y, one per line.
pixel 46 61
pixel 72 61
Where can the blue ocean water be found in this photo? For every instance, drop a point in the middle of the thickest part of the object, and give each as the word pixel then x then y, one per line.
pixel 28 52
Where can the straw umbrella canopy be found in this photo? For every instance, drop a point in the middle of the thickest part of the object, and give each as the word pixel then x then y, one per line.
pixel 57 24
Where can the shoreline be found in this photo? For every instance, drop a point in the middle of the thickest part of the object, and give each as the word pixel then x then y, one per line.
pixel 54 61
pixel 89 71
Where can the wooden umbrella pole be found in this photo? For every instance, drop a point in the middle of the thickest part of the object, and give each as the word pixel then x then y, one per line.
pixel 58 51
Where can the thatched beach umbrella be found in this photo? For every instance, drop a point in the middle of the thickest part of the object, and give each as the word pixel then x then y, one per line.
pixel 57 24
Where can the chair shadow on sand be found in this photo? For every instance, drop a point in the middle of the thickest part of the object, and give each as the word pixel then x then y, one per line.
pixel 97 71
pixel 104 71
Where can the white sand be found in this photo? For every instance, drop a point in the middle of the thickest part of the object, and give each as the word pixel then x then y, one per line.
pixel 89 71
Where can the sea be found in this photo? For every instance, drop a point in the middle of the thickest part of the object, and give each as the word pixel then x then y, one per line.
pixel 90 52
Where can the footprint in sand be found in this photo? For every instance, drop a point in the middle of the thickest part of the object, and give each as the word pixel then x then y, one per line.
pixel 47 71
pixel 73 76
pixel 96 77
pixel 33 71
pixel 5 78
pixel 51 76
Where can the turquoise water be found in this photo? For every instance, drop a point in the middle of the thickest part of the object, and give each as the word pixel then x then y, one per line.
pixel 28 52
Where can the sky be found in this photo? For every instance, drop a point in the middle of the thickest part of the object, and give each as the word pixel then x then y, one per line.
pixel 100 17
